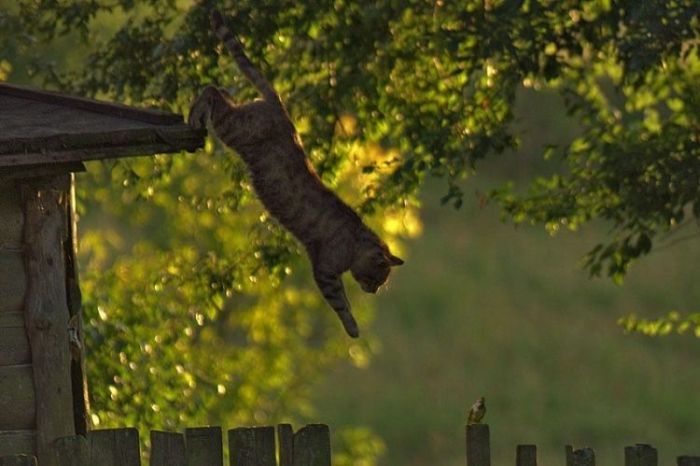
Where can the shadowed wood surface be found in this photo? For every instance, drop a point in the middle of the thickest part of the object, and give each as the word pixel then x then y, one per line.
pixel 12 278
pixel 14 344
pixel 478 445
pixel 72 451
pixel 204 446
pixel 526 455
pixel 252 446
pixel 641 455
pixel 38 127
pixel 582 457
pixel 17 401
pixel 11 216
pixel 167 449
pixel 19 460
pixel 312 446
pixel 13 285
pixel 13 442
pixel 285 440
pixel 114 447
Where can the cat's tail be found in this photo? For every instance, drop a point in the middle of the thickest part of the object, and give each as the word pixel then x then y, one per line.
pixel 244 64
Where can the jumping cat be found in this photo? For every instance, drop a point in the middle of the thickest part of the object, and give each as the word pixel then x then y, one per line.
pixel 335 238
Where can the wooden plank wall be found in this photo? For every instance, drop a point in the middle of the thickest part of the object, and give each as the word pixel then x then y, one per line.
pixel 17 402
pixel 36 402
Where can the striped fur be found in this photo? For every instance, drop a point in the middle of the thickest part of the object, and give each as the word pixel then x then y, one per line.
pixel 334 236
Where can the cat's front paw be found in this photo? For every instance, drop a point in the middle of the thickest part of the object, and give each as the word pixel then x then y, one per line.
pixel 200 110
pixel 196 118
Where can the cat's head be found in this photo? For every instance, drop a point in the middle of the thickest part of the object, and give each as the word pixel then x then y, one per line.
pixel 372 264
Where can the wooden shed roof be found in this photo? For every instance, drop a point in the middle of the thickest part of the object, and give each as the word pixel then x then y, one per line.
pixel 46 128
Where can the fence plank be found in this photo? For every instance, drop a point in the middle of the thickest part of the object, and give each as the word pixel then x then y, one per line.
pixel 204 446
pixel 17 460
pixel 312 446
pixel 285 442
pixel 252 446
pixel 583 457
pixel 641 455
pixel 526 455
pixel 72 451
pixel 688 461
pixel 478 445
pixel 114 447
pixel 167 449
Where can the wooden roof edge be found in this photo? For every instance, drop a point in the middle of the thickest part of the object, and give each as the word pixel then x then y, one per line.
pixel 178 136
pixel 152 116
pixel 11 162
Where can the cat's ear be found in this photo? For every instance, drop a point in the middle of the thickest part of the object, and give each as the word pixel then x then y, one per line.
pixel 393 260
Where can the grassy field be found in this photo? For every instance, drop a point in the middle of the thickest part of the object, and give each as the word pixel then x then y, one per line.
pixel 483 308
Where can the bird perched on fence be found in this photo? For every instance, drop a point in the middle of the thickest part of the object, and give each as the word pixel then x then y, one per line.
pixel 477 411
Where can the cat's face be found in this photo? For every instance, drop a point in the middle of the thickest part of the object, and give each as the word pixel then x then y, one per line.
pixel 372 266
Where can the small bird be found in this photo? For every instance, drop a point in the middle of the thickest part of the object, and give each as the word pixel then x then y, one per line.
pixel 477 411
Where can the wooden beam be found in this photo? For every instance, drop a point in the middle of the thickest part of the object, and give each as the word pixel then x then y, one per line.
pixel 46 311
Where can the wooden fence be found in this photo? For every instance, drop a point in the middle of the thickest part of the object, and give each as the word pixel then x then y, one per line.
pixel 257 446
pixel 202 446
pixel 479 452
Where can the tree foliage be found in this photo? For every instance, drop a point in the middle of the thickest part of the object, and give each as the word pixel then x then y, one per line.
pixel 384 94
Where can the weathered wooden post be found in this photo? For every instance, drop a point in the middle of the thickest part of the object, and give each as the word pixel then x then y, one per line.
pixel 46 315
pixel 641 455
pixel 581 457
pixel 44 138
pixel 285 443
pixel 478 445
pixel 204 446
pixel 252 446
pixel 168 449
pixel 312 446
pixel 526 455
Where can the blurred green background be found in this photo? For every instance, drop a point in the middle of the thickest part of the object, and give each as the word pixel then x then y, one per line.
pixel 483 308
